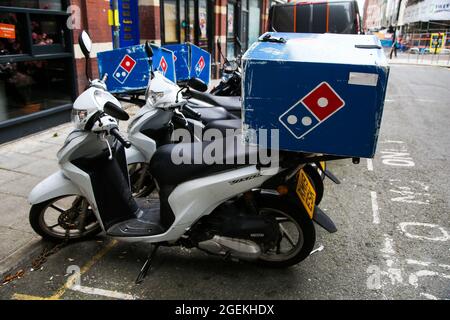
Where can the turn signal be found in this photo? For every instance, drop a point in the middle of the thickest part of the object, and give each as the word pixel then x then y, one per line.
pixel 282 190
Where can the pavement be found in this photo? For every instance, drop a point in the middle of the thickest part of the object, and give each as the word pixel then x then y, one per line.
pixel 441 60
pixel 392 215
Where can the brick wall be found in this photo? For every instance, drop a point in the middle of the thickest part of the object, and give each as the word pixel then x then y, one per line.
pixel 150 20
pixel 94 19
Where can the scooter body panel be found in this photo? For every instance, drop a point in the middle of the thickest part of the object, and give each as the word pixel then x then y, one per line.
pixel 54 186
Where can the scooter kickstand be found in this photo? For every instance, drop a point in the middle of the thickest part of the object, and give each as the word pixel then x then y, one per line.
pixel 146 265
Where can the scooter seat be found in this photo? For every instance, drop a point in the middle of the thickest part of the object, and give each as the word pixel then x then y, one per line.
pixel 223 125
pixel 213 113
pixel 231 104
pixel 167 173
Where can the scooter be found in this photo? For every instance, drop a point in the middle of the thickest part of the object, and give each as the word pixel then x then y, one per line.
pixel 233 209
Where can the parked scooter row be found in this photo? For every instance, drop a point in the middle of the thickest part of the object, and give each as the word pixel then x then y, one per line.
pixel 230 208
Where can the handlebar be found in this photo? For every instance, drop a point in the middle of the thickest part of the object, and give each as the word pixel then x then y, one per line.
pixel 115 132
pixel 191 113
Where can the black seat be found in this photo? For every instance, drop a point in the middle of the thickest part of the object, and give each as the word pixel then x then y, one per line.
pixel 223 125
pixel 167 173
pixel 231 104
pixel 210 114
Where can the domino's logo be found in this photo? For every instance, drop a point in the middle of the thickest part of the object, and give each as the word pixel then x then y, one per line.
pixel 200 66
pixel 163 66
pixel 312 110
pixel 124 69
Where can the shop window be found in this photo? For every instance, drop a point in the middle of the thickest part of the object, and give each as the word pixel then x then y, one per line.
pixel 203 19
pixel 12 34
pixel 34 4
pixel 32 86
pixel 231 30
pixel 254 23
pixel 46 30
pixel 170 21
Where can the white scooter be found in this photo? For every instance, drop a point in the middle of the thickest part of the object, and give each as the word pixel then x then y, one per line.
pixel 231 208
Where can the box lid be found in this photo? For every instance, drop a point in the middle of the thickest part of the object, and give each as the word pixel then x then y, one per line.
pixel 319 48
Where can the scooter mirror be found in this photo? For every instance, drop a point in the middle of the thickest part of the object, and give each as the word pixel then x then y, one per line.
pixel 115 111
pixel 85 43
pixel 197 84
pixel 148 49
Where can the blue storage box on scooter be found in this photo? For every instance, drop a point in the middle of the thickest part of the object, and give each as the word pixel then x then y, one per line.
pixel 191 62
pixel 128 68
pixel 323 93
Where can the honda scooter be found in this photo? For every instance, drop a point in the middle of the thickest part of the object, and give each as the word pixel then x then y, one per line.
pixel 232 208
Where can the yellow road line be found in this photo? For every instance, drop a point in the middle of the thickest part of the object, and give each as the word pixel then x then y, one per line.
pixel 72 279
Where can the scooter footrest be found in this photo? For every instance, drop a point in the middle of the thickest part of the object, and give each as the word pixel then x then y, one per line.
pixel 146 223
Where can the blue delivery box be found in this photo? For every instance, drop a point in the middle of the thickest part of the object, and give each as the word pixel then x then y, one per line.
pixel 128 68
pixel 321 93
pixel 191 62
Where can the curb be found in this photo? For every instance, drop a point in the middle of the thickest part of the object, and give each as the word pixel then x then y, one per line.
pixel 18 258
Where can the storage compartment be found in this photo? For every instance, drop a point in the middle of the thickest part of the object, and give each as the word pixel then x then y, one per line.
pixel 324 93
pixel 191 62
pixel 128 68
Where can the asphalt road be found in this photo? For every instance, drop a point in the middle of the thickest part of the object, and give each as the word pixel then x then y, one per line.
pixel 393 216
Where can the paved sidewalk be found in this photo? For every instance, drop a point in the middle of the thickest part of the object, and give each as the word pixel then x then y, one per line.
pixel 420 59
pixel 23 164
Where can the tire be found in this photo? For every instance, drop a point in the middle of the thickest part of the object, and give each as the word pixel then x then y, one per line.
pixel 288 207
pixel 37 221
pixel 316 181
pixel 148 185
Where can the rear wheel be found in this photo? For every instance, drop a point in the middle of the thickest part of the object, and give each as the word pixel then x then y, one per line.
pixel 296 228
pixel 68 217
pixel 142 184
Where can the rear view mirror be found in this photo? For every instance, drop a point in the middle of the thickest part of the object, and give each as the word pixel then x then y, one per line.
pixel 115 111
pixel 197 84
pixel 148 49
pixel 85 43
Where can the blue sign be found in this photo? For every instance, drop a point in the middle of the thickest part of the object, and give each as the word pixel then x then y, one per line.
pixel 164 62
pixel 324 93
pixel 129 23
pixel 128 68
pixel 191 62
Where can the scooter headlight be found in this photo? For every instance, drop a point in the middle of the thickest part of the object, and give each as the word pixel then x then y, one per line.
pixel 78 117
pixel 153 96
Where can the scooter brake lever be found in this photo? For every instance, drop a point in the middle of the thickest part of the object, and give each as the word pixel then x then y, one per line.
pixel 103 138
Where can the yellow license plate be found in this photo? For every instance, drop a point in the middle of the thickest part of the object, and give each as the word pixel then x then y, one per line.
pixel 306 192
pixel 323 164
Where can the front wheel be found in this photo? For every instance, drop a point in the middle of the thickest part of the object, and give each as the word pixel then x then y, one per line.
pixel 296 229
pixel 64 218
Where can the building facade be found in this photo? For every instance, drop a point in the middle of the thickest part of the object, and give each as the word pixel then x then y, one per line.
pixel 42 67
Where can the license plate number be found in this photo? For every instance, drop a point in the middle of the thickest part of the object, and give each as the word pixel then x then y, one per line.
pixel 306 192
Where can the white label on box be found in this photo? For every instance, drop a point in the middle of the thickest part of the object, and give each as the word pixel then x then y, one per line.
pixel 363 79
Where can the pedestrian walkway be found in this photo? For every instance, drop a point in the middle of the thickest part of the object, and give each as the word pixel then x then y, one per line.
pixel 442 60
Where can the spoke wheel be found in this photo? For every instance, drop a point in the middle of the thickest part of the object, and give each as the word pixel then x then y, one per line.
pixel 297 234
pixel 142 184
pixel 68 217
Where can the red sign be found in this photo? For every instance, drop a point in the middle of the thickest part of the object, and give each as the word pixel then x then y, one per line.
pixel 163 65
pixel 7 31
pixel 128 63
pixel 323 101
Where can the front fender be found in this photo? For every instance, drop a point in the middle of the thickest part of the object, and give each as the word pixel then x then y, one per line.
pixel 54 186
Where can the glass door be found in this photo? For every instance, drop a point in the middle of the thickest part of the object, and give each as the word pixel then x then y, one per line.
pixel 187 21
pixel 232 23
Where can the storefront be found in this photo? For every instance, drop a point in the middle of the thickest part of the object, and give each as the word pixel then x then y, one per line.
pixel 204 22
pixel 187 21
pixel 36 66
